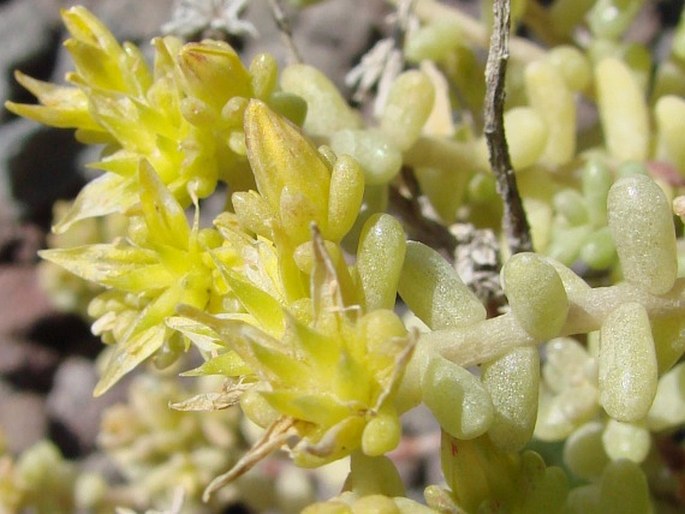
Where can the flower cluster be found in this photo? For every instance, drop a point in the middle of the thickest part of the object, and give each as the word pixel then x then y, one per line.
pixel 291 318
pixel 183 116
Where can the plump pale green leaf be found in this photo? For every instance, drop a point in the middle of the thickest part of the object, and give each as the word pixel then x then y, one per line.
pixel 380 256
pixel 526 134
pixel 374 503
pixel 669 340
pixel 624 489
pixel 668 409
pixel 584 452
pixel 551 98
pixel 464 472
pixel 409 506
pixel 564 15
pixel 477 472
pixel 630 441
pixel 513 382
pixel 444 189
pixel 641 223
pixel 622 110
pixel 374 475
pixel 434 292
pixel 407 108
pixel 599 250
pixel 575 286
pixel 560 414
pixel 381 434
pixel 570 204
pixel 263 75
pixel 566 361
pixel 457 399
pixel 596 182
pixel 328 111
pixel 376 152
pixel 289 105
pixel 540 304
pixel 434 41
pixel 583 500
pixel 669 112
pixel 345 197
pixel 567 242
pixel 610 18
pixel 542 490
pixel 573 64
pixel 627 363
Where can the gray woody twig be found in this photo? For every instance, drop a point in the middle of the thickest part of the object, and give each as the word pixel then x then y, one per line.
pixel 514 221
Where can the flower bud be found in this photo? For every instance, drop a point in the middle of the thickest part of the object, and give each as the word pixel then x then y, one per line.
pixel 213 72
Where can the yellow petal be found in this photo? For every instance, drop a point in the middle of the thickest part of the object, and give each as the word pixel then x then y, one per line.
pixel 340 440
pixel 84 26
pixel 125 357
pixel 228 364
pixel 322 410
pixel 106 194
pixel 266 310
pixel 166 220
pixel 124 267
pixel 119 115
pixel 54 116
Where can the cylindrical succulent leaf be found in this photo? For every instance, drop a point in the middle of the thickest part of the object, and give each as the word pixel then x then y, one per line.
pixel 641 224
pixel 380 256
pixel 434 292
pixel 627 363
pixel 622 109
pixel 513 382
pixel 407 108
pixel 540 304
pixel 456 398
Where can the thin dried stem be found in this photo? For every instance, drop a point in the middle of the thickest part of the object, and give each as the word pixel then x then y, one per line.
pixel 405 206
pixel 283 24
pixel 514 220
pixel 271 440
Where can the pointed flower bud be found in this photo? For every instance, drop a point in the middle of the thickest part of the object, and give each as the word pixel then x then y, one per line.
pixel 290 173
pixel 212 72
